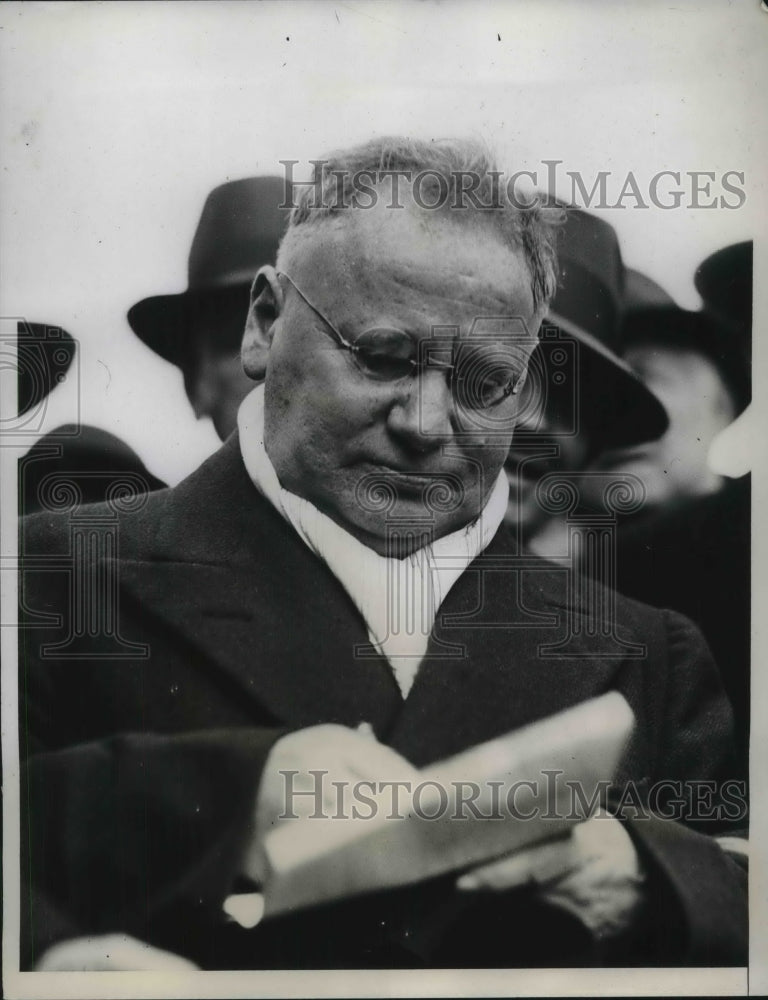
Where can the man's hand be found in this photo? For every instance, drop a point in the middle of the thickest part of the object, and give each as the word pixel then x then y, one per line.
pixel 593 873
pixel 289 789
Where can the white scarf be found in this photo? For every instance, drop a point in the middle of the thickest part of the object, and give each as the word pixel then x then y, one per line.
pixel 398 598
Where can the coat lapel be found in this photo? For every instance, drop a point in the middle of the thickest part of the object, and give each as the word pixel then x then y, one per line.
pixel 244 592
pixel 504 613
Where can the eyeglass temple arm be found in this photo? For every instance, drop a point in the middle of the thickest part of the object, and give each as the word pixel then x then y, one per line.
pixel 337 333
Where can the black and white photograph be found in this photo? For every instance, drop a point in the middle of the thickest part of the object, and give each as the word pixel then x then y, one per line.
pixel 380 552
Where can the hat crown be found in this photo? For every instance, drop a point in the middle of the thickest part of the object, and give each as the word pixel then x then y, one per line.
pixel 588 307
pixel 240 229
pixel 591 277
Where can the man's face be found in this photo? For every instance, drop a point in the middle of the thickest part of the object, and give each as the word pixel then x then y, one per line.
pixel 699 406
pixel 216 384
pixel 375 454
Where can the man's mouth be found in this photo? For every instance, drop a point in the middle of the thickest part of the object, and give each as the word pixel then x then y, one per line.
pixel 413 482
pixel 413 476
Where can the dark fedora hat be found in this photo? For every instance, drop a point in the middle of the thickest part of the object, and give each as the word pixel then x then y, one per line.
pixel 588 307
pixel 44 354
pixel 239 231
pixel 90 458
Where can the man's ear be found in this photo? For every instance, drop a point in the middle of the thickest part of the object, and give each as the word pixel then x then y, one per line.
pixel 265 307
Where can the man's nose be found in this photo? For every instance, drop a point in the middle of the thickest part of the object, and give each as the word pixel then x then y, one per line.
pixel 423 413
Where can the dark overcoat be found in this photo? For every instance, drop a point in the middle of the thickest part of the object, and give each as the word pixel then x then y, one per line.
pixel 147 714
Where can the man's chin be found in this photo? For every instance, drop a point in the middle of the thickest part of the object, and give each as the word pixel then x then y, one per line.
pixel 405 528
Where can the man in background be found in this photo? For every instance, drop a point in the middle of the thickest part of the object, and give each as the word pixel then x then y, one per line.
pixel 75 463
pixel 200 330
pixel 691 549
pixel 581 397
pixel 698 364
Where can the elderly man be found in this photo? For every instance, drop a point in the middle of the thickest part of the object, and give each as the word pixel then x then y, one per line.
pixel 331 591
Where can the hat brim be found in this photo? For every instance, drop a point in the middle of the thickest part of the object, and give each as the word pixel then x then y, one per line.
pixel 162 322
pixel 630 412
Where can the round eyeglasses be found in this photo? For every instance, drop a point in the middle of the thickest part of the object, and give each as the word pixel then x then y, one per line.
pixel 479 377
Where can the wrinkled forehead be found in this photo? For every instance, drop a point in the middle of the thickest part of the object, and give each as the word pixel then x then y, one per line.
pixel 414 261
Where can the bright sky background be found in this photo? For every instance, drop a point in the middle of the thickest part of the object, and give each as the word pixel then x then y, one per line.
pixel 117 119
